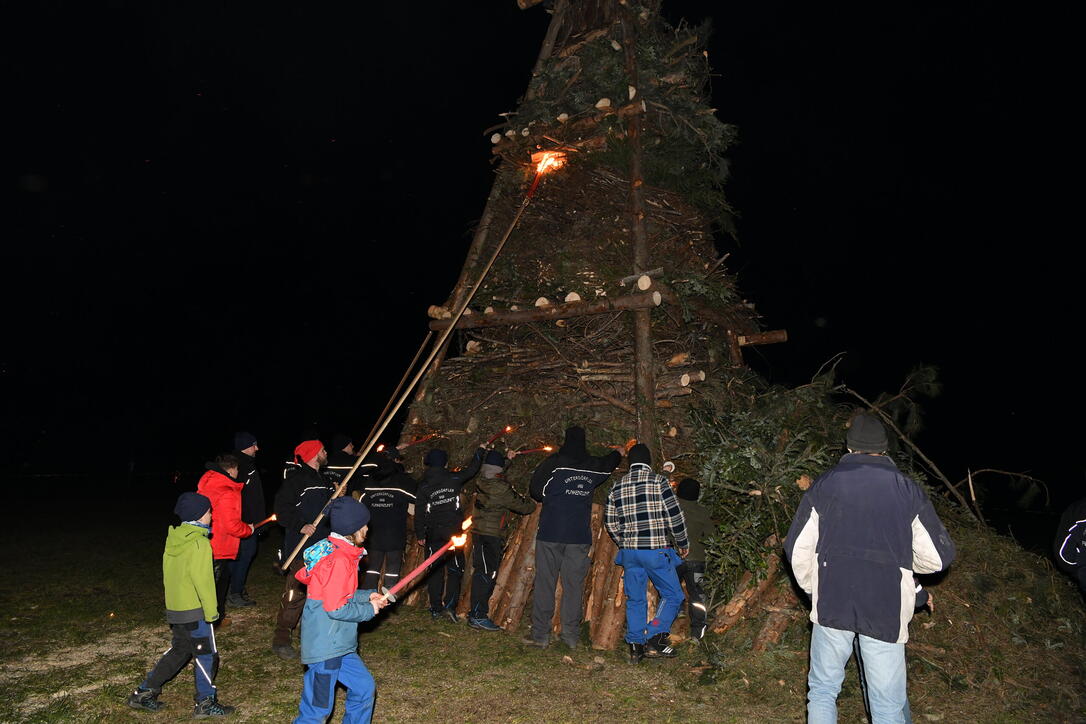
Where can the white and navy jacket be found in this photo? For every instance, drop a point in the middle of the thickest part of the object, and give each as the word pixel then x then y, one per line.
pixel 861 532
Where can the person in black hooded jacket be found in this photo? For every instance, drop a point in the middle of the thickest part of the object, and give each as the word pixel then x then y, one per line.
pixel 387 495
pixel 438 515
pixel 253 510
pixel 564 484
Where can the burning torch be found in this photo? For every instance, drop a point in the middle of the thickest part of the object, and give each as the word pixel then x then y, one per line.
pixel 270 519
pixel 457 541
pixel 545 448
pixel 504 431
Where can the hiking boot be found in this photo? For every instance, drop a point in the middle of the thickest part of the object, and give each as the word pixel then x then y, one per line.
pixel 450 613
pixel 532 642
pixel 637 652
pixel 659 647
pixel 435 615
pixel 222 622
pixel 145 699
pixel 484 624
pixel 210 707
pixel 286 652
pixel 238 600
pixel 571 645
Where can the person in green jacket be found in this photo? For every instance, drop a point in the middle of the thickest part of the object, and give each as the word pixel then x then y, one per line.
pixel 495 499
pixel 191 606
pixel 698 526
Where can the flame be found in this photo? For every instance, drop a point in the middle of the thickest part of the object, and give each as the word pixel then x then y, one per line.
pixel 548 448
pixel 466 524
pixel 381 447
pixel 548 161
pixel 459 540
pixel 274 516
pixel 509 428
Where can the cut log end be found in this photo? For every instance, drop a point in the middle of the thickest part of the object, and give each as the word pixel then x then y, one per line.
pixel 644 282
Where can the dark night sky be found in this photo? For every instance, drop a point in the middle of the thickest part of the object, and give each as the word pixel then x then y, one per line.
pixel 230 217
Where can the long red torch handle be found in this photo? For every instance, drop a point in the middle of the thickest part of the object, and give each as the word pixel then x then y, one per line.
pixel 422 567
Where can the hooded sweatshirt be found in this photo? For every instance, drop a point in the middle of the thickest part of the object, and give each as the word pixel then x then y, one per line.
pixel 187 575
pixel 564 483
pixel 437 509
pixel 227 529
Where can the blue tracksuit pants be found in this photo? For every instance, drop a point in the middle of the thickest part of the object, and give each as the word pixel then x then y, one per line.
pixel 641 566
pixel 319 690
pixel 194 640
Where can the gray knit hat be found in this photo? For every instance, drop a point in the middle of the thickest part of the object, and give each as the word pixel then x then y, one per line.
pixel 866 434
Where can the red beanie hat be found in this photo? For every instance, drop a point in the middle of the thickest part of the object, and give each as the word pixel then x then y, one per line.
pixel 308 450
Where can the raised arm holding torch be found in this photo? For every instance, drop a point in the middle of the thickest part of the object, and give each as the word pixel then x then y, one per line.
pixel 457 541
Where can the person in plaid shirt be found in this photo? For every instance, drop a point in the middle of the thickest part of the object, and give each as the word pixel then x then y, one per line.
pixel 641 510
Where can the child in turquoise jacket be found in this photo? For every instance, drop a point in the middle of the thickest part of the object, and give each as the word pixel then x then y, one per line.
pixel 333 609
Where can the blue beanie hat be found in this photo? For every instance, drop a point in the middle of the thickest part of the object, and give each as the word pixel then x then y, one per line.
pixel 436 458
pixel 244 440
pixel 191 506
pixel 347 516
pixel 493 457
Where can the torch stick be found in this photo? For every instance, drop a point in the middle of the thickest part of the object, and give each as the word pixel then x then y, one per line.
pixel 545 448
pixel 424 438
pixel 271 518
pixel 547 162
pixel 504 431
pixel 455 542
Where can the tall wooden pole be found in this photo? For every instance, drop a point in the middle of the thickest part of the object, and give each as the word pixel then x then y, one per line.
pixel 644 382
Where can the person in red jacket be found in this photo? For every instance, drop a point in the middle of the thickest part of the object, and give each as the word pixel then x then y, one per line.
pixel 219 485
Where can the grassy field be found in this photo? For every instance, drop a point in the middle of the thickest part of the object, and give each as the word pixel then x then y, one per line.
pixel 82 623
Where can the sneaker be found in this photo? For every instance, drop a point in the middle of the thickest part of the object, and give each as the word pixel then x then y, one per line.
pixel 659 647
pixel 286 652
pixel 484 624
pixel 435 615
pixel 450 613
pixel 532 642
pixel 637 652
pixel 145 699
pixel 238 600
pixel 210 707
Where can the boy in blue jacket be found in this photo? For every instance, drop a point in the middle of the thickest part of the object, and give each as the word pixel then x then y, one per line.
pixel 333 610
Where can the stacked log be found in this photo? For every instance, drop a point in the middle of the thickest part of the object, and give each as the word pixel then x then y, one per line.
pixel 750 592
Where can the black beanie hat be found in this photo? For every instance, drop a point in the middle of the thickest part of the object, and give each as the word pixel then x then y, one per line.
pixel 191 506
pixel 493 457
pixel 436 458
pixel 689 489
pixel 574 445
pixel 866 434
pixel 639 453
pixel 347 515
pixel 340 441
pixel 244 440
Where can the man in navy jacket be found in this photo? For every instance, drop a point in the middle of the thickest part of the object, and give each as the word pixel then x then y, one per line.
pixel 564 484
pixel 861 532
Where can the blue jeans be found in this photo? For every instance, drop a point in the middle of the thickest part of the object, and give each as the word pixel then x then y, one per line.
pixel 883 669
pixel 641 566
pixel 319 691
pixel 239 567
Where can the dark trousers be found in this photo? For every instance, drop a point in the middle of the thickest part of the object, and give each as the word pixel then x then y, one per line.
pixel 239 569
pixel 223 568
pixel 445 574
pixel 486 556
pixel 391 560
pixel 196 639
pixel 290 605
pixel 569 561
pixel 692 572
